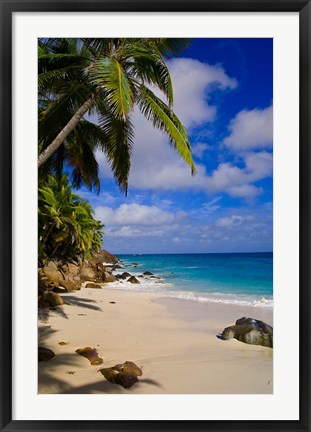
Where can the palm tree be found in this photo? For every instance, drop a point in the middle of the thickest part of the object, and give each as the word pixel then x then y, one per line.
pixel 66 222
pixel 108 77
pixel 62 89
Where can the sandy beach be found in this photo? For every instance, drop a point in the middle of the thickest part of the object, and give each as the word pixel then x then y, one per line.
pixel 174 342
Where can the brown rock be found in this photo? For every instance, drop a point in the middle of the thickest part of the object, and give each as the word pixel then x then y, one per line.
pixel 52 265
pixel 51 298
pixel 133 280
pixel 71 285
pixel 100 267
pixel 64 267
pixel 91 354
pixel 104 256
pixel 108 277
pixel 45 354
pixel 125 374
pixel 52 275
pixel 87 274
pixel 59 290
pixel 44 283
pixel 73 269
pixel 93 285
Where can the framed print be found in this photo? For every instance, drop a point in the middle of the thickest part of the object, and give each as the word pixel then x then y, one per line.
pixel 155 240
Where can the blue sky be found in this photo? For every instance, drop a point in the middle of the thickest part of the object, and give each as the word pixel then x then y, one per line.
pixel 223 90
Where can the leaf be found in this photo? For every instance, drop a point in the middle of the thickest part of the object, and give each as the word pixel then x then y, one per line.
pixel 164 119
pixel 108 74
pixel 48 196
pixel 118 147
pixel 147 66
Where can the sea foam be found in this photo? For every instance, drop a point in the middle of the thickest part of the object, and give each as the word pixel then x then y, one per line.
pixel 242 279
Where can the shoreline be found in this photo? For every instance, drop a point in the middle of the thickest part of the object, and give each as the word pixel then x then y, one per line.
pixel 169 290
pixel 174 341
pixel 171 282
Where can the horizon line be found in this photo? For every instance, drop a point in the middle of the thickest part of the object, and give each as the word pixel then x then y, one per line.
pixel 186 253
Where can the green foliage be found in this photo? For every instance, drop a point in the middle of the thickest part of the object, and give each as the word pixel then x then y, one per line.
pixel 67 227
pixel 123 73
pixel 108 73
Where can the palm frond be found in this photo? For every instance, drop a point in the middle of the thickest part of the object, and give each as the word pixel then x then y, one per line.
pixel 118 146
pixel 107 73
pixel 169 47
pixel 147 66
pixel 163 118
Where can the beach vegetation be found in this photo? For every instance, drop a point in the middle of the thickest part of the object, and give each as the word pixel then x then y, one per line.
pixel 67 227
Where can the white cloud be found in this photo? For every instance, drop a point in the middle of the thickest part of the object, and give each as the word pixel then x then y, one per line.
pixel 251 130
pixel 152 155
pixel 211 207
pixel 192 80
pixel 156 166
pixel 136 214
pixel 130 231
pixel 199 149
pixel 245 191
pixel 233 220
pixel 237 181
pixel 235 230
pixel 101 198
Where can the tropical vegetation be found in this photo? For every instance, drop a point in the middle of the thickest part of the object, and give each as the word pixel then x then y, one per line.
pixel 103 79
pixel 88 90
pixel 67 227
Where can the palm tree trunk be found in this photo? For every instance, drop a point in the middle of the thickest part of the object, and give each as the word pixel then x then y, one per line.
pixel 47 153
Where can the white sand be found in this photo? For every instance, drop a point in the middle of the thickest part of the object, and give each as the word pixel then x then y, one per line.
pixel 173 341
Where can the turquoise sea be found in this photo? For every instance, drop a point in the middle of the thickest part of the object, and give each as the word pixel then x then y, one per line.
pixel 243 278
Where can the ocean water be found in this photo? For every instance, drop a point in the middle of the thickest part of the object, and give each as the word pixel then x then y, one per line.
pixel 240 278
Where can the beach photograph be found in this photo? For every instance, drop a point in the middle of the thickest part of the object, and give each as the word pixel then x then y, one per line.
pixel 155 216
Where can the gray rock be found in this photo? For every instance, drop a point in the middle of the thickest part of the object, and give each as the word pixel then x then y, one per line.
pixel 251 331
pixel 125 275
pixel 260 325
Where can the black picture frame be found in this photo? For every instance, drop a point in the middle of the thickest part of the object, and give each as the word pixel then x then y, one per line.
pixel 6 171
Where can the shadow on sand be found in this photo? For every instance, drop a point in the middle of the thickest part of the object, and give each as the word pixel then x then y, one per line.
pixel 47 376
pixel 104 386
pixel 46 370
pixel 71 300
